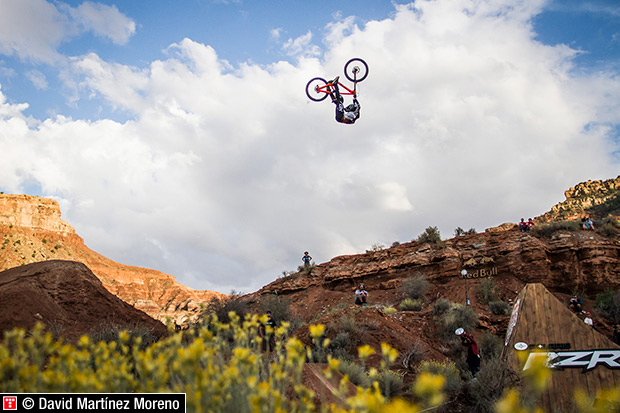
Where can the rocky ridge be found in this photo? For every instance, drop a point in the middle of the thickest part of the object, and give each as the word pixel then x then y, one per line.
pixel 583 199
pixel 31 230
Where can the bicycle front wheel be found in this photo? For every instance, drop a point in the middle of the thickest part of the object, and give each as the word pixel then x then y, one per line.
pixel 356 70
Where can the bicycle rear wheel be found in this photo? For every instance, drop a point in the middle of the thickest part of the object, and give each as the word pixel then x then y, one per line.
pixel 356 70
pixel 314 89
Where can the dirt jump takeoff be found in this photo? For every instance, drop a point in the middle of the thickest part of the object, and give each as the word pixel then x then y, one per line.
pixel 318 89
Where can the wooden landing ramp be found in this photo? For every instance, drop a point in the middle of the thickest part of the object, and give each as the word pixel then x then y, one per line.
pixel 579 356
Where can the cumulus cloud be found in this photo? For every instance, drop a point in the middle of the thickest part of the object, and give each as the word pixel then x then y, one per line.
pixel 104 20
pixel 34 29
pixel 225 174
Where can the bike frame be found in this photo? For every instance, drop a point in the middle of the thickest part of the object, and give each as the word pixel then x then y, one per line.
pixel 343 89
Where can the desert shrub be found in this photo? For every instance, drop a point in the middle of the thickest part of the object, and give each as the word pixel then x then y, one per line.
pixel 376 247
pixel 608 227
pixel 459 232
pixel 490 345
pixel 607 304
pixel 441 306
pixel 493 379
pixel 413 356
pixel 431 235
pixel 356 372
pixel 223 306
pixel 109 332
pixel 390 310
pixel 487 290
pixel 279 306
pixel 458 316
pixel 499 307
pixel 395 244
pixel 390 383
pixel 448 370
pixel 410 305
pixel 415 286
pixel 349 325
pixel 547 230
pixel 306 269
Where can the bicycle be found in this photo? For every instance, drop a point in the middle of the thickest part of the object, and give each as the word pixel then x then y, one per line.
pixel 356 70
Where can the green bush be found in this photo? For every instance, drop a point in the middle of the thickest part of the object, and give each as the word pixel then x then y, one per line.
pixel 415 286
pixel 441 306
pixel 547 230
pixel 487 290
pixel 390 383
pixel 499 307
pixel 458 316
pixel 607 304
pixel 279 306
pixel 459 232
pixel 431 235
pixel 221 307
pixel 490 345
pixel 410 305
pixel 608 227
pixel 448 370
pixel 492 380
pixel 356 372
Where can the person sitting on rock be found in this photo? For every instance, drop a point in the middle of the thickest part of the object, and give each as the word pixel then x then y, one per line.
pixel 588 319
pixel 587 223
pixel 575 304
pixel 523 225
pixel 530 223
pixel 361 295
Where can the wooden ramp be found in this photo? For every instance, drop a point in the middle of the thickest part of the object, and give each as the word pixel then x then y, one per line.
pixel 579 356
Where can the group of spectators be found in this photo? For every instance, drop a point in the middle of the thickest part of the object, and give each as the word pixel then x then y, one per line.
pixel 525 226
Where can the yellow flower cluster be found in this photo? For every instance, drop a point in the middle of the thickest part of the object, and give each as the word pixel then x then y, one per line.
pixel 221 367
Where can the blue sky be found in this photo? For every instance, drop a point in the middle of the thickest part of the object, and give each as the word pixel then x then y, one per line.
pixel 177 135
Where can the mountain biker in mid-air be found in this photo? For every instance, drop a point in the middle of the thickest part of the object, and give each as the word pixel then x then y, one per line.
pixel 348 114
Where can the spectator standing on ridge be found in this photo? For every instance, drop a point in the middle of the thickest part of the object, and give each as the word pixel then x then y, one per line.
pixel 361 295
pixel 473 356
pixel 306 259
pixel 523 225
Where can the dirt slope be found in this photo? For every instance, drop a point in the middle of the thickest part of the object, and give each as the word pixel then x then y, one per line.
pixel 67 297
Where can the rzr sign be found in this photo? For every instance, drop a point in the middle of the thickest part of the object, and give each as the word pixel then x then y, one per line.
pixel 586 360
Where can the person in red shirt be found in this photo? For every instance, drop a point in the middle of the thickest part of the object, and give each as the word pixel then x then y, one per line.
pixel 473 356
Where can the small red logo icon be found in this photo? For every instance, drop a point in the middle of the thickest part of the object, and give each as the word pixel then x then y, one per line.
pixel 9 403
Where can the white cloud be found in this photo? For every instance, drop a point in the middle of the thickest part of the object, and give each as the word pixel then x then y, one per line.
pixel 34 29
pixel 105 21
pixel 38 79
pixel 301 46
pixel 225 175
